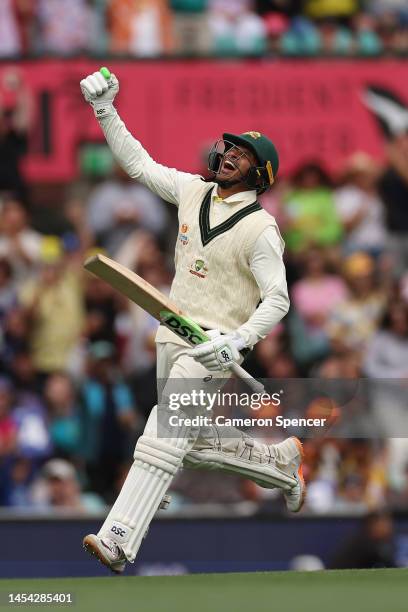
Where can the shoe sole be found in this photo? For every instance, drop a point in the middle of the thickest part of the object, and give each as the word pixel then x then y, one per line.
pixel 91 547
pixel 300 474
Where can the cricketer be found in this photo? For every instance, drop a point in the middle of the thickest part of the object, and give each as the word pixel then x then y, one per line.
pixel 230 279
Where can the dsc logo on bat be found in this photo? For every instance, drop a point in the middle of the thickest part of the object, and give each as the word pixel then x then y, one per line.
pixel 183 327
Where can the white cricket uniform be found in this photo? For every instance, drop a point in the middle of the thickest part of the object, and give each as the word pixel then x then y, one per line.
pixel 228 260
pixel 180 188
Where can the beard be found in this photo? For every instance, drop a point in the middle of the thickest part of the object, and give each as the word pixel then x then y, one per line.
pixel 226 184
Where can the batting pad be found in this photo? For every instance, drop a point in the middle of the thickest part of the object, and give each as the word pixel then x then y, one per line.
pixel 155 463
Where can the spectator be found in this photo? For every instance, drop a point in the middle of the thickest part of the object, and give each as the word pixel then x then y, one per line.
pixel 58 489
pixel 141 251
pixel 8 428
pixel 353 322
pixel 8 292
pixel 318 292
pixel 10 43
pixel 311 217
pixel 387 358
pixel 22 370
pixel 140 28
pixel 25 11
pixel 334 38
pixel 99 42
pixel 33 438
pixel 313 298
pixel 236 29
pixel 14 338
pixel 102 306
pixel 366 40
pixel 8 440
pixel 15 120
pixel 118 206
pixel 64 26
pixel 302 38
pixel 387 353
pixel 393 188
pixel 276 26
pixel 18 241
pixel 23 437
pixel 63 415
pixel 381 6
pixel 390 33
pixel 321 9
pixel 286 7
pixel 191 29
pixel 345 365
pixel 371 547
pixel 108 419
pixel 137 328
pixel 53 303
pixel 360 208
pixel 22 473
pixel 77 239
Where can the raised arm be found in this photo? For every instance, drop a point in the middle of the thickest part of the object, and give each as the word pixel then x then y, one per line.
pixel 99 90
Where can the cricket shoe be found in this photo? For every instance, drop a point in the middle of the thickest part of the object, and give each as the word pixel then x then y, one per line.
pixel 269 466
pixel 107 551
pixel 291 450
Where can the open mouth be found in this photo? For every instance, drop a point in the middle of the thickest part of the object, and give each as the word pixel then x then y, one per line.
pixel 228 167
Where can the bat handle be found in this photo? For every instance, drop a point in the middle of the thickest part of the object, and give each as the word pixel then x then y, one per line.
pixel 105 72
pixel 239 372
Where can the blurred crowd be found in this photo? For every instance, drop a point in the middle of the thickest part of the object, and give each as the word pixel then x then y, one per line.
pixel 154 28
pixel 77 361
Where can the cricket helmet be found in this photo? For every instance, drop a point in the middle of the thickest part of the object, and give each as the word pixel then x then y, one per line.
pixel 259 177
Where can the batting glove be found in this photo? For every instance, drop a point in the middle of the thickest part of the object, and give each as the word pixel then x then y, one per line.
pixel 220 352
pixel 100 93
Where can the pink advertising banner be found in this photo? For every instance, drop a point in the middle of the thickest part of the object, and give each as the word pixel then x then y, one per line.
pixel 311 109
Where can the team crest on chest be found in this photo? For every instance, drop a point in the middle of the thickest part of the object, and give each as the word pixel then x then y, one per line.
pixel 183 234
pixel 198 268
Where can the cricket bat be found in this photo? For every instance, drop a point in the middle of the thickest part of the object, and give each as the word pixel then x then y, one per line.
pixel 158 305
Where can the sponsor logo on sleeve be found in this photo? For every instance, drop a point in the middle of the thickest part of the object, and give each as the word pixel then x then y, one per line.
pixel 183 234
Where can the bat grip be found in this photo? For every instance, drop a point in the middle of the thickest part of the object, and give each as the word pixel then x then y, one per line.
pixel 239 372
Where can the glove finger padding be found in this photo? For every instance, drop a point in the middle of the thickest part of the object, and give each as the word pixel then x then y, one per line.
pixel 203 350
pixel 102 82
pixel 98 87
pixel 87 89
pixel 210 360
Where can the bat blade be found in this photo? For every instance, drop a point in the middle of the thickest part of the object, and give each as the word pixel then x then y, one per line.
pixel 158 305
pixel 131 285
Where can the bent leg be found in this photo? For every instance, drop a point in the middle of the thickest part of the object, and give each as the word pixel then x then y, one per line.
pixel 156 458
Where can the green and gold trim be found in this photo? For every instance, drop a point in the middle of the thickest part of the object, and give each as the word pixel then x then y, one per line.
pixel 208 234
